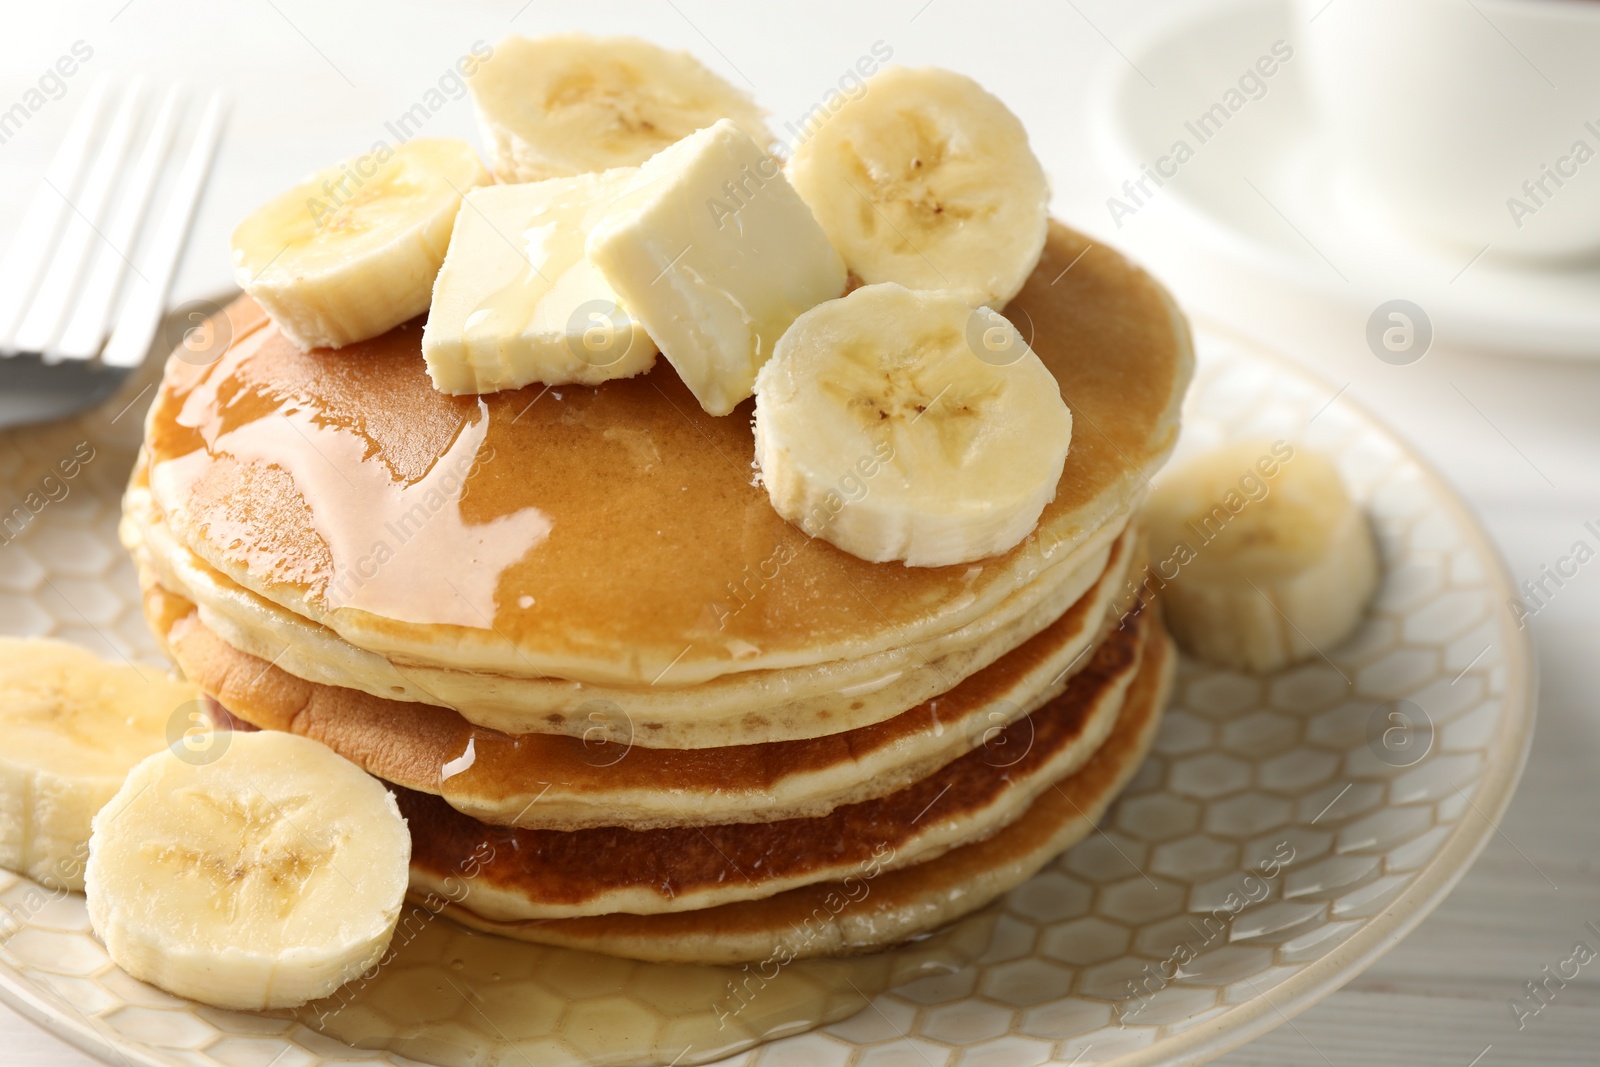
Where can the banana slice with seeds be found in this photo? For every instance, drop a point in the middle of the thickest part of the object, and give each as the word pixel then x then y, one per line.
pixel 904 425
pixel 1261 557
pixel 557 106
pixel 266 878
pixel 352 251
pixel 71 727
pixel 927 180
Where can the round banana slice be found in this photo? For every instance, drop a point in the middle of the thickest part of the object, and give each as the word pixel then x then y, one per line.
pixel 71 727
pixel 904 425
pixel 1260 556
pixel 352 251
pixel 557 106
pixel 927 180
pixel 263 879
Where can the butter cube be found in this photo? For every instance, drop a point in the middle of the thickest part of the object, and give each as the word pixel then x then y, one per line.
pixel 715 254
pixel 516 301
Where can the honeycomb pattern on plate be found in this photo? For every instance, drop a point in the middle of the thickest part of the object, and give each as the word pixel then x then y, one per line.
pixel 1269 828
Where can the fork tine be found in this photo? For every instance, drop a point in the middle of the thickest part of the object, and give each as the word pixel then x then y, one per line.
pixel 87 215
pixel 86 332
pixel 136 326
pixel 30 249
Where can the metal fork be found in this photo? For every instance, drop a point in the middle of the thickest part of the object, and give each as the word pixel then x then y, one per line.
pixel 62 276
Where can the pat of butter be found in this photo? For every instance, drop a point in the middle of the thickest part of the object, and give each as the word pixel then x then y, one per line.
pixel 715 254
pixel 516 301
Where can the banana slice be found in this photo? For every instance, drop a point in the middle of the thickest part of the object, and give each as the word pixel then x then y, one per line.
pixel 71 727
pixel 263 879
pixel 927 180
pixel 898 424
pixel 352 251
pixel 563 105
pixel 1261 557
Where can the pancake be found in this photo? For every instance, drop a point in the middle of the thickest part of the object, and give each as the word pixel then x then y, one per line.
pixel 734 709
pixel 874 907
pixel 562 783
pixel 611 536
pixel 537 874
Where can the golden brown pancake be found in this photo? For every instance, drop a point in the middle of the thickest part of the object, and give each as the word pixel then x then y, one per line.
pixel 554 874
pixel 613 535
pixel 748 707
pixel 872 908
pixel 555 782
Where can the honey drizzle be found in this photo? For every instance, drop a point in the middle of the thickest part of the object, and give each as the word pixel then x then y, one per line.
pixel 401 549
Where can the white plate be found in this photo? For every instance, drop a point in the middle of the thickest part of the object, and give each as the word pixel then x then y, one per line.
pixel 1244 767
pixel 1265 195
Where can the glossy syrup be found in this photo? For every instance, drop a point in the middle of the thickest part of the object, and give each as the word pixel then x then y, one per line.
pixel 455 998
pixel 566 523
pixel 399 547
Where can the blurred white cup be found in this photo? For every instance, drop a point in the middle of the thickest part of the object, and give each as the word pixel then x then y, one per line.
pixel 1476 122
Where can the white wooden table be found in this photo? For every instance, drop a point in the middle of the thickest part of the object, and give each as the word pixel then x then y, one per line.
pixel 313 82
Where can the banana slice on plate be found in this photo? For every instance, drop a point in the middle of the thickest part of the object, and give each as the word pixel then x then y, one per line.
pixel 71 727
pixel 904 425
pixel 557 106
pixel 266 878
pixel 352 251
pixel 1260 556
pixel 927 180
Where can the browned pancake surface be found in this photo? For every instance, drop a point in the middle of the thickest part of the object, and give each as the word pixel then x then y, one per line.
pixel 875 907
pixel 409 743
pixel 568 868
pixel 632 525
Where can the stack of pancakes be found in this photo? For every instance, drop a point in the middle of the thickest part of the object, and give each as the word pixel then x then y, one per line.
pixel 625 706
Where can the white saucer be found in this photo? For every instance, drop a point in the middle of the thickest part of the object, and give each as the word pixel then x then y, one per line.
pixel 1264 195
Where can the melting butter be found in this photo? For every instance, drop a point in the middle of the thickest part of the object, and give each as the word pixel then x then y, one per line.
pixel 517 301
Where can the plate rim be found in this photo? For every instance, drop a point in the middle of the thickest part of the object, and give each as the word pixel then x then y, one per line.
pixel 1434 881
pixel 70 1025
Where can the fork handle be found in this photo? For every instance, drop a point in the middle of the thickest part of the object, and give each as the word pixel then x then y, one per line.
pixel 136 326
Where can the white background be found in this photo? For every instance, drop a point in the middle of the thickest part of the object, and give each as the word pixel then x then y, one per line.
pixel 313 81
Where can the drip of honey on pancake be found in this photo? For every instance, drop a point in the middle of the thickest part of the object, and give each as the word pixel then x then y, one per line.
pixel 651 554
pixel 400 544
